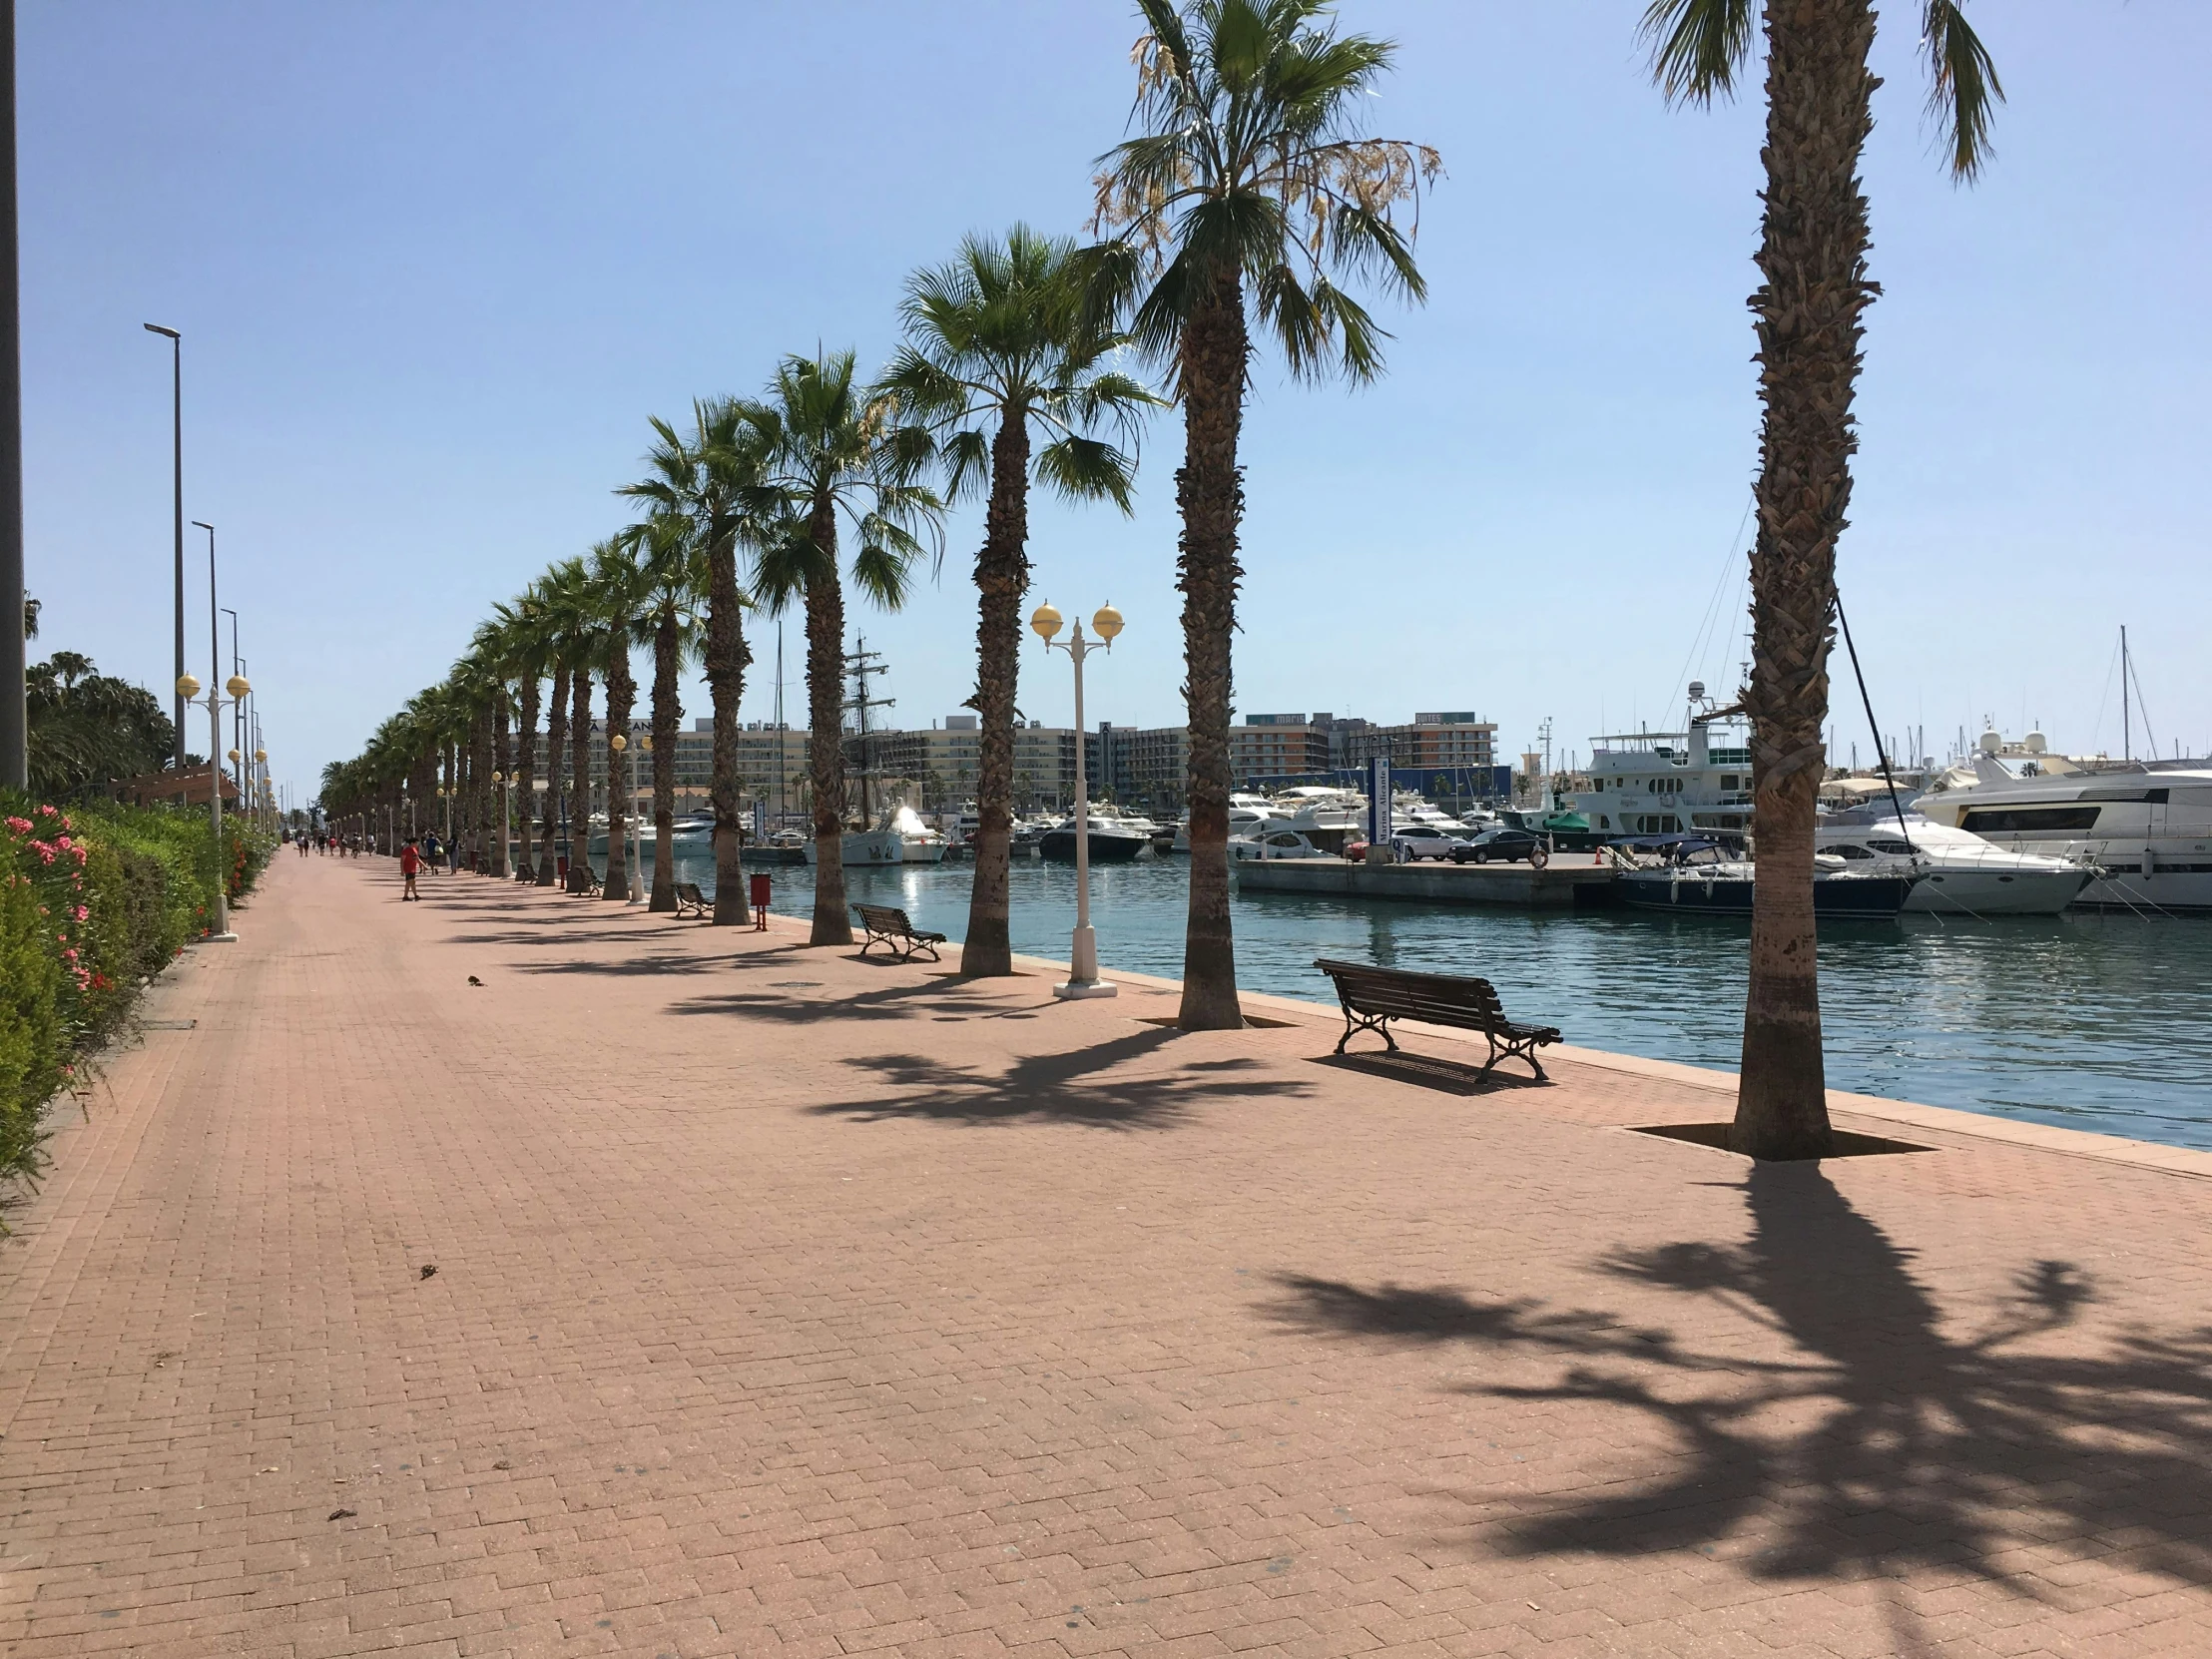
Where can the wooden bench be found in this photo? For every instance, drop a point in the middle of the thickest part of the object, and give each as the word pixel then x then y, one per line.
pixel 690 901
pixel 885 925
pixel 1373 996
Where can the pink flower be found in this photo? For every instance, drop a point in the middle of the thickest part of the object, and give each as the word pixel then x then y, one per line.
pixel 83 912
pixel 21 826
pixel 47 811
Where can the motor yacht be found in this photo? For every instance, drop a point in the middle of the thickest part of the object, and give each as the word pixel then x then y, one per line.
pixel 922 845
pixel 1116 838
pixel 862 848
pixel 1668 782
pixel 2145 830
pixel 1326 816
pixel 1710 880
pixel 1248 817
pixel 1965 876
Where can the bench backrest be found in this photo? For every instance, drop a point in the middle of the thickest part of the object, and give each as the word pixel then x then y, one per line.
pixel 1439 998
pixel 884 918
pixel 688 892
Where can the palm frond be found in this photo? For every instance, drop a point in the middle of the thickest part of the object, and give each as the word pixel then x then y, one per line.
pixel 1963 86
pixel 1697 46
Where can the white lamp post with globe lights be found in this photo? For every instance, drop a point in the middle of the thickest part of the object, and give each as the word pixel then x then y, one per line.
pixel 1083 980
pixel 188 689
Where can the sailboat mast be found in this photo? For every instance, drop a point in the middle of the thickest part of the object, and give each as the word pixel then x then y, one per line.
pixel 782 765
pixel 2128 725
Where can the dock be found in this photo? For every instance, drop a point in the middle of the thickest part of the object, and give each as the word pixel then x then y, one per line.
pixel 1570 878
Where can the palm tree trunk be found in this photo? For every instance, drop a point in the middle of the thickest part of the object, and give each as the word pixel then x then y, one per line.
pixel 727 660
pixel 667 711
pixel 1812 254
pixel 621 695
pixel 526 768
pixel 556 752
pixel 825 742
pixel 502 769
pixel 579 791
pixel 1002 578
pixel 481 788
pixel 1209 488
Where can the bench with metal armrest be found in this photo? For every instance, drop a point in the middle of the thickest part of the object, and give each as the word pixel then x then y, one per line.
pixel 1373 996
pixel 891 928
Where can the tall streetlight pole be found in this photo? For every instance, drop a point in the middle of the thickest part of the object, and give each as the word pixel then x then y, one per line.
pixel 1083 980
pixel 238 710
pixel 177 475
pixel 14 717
pixel 186 688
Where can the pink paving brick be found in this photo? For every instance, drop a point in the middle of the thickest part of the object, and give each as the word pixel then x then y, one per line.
pixel 894 1314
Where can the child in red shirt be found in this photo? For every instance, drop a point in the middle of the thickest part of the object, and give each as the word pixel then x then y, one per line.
pixel 410 866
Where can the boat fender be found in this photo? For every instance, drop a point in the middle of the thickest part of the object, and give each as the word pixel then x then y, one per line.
pixel 2150 864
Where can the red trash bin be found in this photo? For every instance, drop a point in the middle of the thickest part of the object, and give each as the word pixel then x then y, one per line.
pixel 758 884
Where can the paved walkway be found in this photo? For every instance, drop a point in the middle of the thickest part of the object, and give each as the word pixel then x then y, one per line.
pixel 791 1304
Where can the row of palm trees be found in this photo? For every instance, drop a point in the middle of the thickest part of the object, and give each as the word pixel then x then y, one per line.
pixel 1245 208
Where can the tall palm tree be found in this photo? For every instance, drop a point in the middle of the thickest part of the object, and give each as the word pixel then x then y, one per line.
pixel 619 589
pixel 671 573
pixel 830 450
pixel 1813 259
pixel 1000 350
pixel 1249 171
pixel 573 618
pixel 711 478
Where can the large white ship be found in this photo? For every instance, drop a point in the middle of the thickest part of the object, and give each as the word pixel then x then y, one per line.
pixel 1671 783
pixel 2146 827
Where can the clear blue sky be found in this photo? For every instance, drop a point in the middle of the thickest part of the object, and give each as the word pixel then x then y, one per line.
pixel 435 264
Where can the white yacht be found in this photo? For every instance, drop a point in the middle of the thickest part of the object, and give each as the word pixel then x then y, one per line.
pixel 2146 829
pixel 921 844
pixel 1670 783
pixel 1326 816
pixel 1248 817
pixel 1962 874
pixel 883 844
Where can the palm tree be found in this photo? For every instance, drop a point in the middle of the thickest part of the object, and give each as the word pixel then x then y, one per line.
pixel 828 449
pixel 672 571
pixel 573 620
pixel 1813 259
pixel 1250 168
pixel 999 342
pixel 618 585
pixel 711 478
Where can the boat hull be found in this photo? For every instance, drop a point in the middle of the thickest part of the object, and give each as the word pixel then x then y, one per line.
pixel 1106 849
pixel 1867 897
pixel 1993 893
pixel 863 848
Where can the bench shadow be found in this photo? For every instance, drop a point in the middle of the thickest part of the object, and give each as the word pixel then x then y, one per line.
pixel 1431 1071
pixel 908 999
pixel 1075 1086
pixel 1914 1445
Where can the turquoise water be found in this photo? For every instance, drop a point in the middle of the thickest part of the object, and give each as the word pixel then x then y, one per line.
pixel 2091 1021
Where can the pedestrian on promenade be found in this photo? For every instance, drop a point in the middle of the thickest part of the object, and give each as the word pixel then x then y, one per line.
pixel 410 866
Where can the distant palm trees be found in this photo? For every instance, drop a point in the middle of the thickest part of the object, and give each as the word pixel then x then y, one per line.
pixel 1249 193
pixel 1000 350
pixel 1813 259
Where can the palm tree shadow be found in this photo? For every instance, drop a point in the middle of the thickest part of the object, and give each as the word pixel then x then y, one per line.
pixel 1078 1086
pixel 1928 1445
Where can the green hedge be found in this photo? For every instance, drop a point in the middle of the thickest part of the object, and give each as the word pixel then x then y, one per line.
pixel 94 902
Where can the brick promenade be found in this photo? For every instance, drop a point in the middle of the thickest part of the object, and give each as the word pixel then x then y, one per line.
pixel 789 1305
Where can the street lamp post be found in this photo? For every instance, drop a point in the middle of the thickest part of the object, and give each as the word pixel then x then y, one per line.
pixel 1083 980
pixel 505 786
pixel 177 476
pixel 637 831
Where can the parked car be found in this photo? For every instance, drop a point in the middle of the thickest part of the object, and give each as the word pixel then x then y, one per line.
pixel 1412 842
pixel 1275 844
pixel 1504 844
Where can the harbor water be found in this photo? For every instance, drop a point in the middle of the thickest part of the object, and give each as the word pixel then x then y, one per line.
pixel 2091 1021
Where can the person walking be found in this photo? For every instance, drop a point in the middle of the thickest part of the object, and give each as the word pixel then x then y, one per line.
pixel 410 866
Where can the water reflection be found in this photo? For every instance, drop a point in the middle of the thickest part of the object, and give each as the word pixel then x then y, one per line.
pixel 2092 1021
